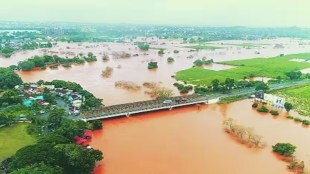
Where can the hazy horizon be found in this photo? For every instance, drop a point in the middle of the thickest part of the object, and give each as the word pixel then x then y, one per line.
pixel 257 13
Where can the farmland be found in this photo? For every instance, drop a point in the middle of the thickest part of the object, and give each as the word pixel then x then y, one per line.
pixel 299 96
pixel 257 67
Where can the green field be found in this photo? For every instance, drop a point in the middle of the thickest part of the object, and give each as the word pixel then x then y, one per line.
pixel 299 96
pixel 14 138
pixel 204 47
pixel 259 67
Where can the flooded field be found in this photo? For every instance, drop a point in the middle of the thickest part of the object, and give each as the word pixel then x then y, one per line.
pixel 135 68
pixel 189 140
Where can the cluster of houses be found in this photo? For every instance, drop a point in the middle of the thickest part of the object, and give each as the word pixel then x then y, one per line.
pixel 73 98
pixel 34 93
pixel 269 99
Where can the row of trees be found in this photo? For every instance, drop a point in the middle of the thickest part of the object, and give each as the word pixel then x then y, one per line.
pixel 43 61
pixel 228 85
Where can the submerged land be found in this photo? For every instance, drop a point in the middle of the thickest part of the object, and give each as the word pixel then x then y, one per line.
pixel 51 77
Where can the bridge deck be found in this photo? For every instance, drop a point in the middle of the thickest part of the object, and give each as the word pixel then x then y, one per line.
pixel 140 107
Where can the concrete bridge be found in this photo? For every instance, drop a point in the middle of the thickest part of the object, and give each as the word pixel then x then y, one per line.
pixel 142 107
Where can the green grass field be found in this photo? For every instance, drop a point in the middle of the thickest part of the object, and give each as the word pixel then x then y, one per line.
pixel 299 96
pixel 14 138
pixel 260 67
pixel 204 47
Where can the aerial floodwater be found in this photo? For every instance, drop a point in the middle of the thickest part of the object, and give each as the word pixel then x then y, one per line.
pixel 188 140
pixel 135 68
pixel 179 141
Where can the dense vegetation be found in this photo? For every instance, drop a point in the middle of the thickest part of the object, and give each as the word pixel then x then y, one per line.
pixel 9 79
pixel 52 61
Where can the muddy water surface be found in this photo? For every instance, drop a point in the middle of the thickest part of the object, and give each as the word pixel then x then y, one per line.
pixel 188 140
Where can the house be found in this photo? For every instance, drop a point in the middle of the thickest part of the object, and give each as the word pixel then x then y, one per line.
pixel 80 141
pixel 50 87
pixel 87 134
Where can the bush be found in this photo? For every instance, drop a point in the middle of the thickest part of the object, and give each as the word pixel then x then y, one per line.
pixel 97 124
pixel 290 117
pixel 273 112
pixel 306 122
pixel 255 105
pixel 161 52
pixel 143 46
pixel 298 119
pixel 198 62
pixel 286 149
pixel 170 60
pixel 152 65
pixel 263 109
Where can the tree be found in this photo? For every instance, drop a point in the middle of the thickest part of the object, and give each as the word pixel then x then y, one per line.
pixel 215 84
pixel 286 149
pixel 293 74
pixel 56 117
pixel 143 46
pixel 255 105
pixel 69 129
pixel 261 86
pixel 198 62
pixel 161 52
pixel 50 98
pixel 76 159
pixel 9 79
pixel 32 154
pixel 39 168
pixel 152 65
pixel 49 45
pixel 288 106
pixel 170 59
pixel 90 54
pixel 53 139
pixel 230 83
pixel 26 65
pixel 97 124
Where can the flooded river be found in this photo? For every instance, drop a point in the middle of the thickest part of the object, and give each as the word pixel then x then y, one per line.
pixel 180 141
pixel 188 140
